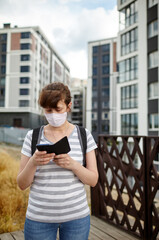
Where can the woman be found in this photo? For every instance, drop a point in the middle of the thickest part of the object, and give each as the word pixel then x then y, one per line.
pixel 57 197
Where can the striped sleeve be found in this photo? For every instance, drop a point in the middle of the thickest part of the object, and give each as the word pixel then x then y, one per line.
pixel 91 145
pixel 26 148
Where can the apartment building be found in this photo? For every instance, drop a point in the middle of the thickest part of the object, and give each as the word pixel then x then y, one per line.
pixel 101 87
pixel 28 62
pixel 137 56
pixel 78 94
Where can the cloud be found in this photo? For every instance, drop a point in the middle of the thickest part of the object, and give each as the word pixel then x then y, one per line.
pixel 68 1
pixel 78 61
pixel 68 29
pixel 87 25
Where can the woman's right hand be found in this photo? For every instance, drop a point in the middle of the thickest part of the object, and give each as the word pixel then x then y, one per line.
pixel 41 158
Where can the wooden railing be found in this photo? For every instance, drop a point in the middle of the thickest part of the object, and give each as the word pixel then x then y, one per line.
pixel 127 191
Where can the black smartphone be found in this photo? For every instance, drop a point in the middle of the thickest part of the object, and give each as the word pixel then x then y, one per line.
pixel 60 147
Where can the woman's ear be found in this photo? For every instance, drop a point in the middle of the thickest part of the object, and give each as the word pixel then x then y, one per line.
pixel 69 106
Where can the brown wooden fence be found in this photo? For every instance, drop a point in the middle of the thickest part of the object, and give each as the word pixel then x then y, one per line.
pixel 127 191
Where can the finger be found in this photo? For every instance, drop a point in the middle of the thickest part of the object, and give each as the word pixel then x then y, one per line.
pixel 39 153
pixel 61 161
pixel 45 159
pixel 44 162
pixel 61 156
pixel 52 155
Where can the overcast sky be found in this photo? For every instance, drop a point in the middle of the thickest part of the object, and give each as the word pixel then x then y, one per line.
pixel 68 24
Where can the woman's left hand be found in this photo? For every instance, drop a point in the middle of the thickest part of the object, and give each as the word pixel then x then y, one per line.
pixel 64 161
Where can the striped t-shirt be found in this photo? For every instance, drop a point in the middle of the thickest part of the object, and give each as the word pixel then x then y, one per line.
pixel 56 194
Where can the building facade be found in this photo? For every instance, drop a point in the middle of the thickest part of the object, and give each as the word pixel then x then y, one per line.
pixel 101 87
pixel 78 94
pixel 27 63
pixel 153 65
pixel 137 56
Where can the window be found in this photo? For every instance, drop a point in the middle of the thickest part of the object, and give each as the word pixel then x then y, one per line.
pixel 151 3
pixel 24 91
pixel 128 69
pixel 77 96
pixel 94 116
pixel 104 115
pixel 94 59
pixel 94 71
pixel 129 42
pixel 2 81
pixel 154 121
pixel 94 126
pixel 105 92
pixel 4 47
pixel 153 60
pixel 129 124
pixel 105 58
pixel 153 90
pixel 94 93
pixel 128 15
pixel 23 103
pixel 3 37
pixel 25 57
pixel 3 69
pixel 105 81
pixel 94 82
pixel 106 48
pixel 105 70
pixel 17 122
pixel 1 102
pixel 25 35
pixel 153 29
pixel 25 69
pixel 25 46
pixel 105 104
pixel 129 96
pixel 24 80
pixel 3 58
pixel 95 49
pixel 105 127
pixel 94 104
pixel 2 91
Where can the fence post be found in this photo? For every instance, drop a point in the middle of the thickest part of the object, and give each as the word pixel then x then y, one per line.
pixel 147 192
pixel 95 201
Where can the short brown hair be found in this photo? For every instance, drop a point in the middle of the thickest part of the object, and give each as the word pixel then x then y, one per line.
pixel 53 93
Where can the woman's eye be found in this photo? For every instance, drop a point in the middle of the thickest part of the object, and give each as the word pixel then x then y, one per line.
pixel 58 109
pixel 49 111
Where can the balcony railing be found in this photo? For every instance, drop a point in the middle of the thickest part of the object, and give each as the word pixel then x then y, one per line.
pixel 127 191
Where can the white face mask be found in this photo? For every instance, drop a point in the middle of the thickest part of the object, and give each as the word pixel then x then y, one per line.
pixel 56 119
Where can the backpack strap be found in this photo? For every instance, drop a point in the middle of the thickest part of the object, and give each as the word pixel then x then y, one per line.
pixel 83 141
pixel 36 138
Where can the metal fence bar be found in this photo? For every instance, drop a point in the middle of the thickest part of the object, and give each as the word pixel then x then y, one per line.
pixel 147 214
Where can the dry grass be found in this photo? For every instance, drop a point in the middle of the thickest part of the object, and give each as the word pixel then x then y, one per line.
pixel 13 202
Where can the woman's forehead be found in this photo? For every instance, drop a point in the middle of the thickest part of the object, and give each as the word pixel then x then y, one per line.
pixel 61 103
